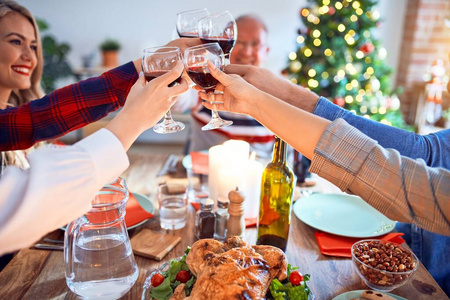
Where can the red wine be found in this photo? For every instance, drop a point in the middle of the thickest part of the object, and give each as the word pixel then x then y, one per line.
pixel 202 78
pixel 187 35
pixel 226 44
pixel 272 240
pixel 149 76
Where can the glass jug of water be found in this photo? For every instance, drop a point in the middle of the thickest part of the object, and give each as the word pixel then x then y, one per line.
pixel 97 251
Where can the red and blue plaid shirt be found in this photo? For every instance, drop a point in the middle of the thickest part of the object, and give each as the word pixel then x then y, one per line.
pixel 65 109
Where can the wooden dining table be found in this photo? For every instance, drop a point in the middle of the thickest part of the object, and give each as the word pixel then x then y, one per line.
pixel 39 274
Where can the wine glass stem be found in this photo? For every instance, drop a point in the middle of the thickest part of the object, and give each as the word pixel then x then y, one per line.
pixel 214 113
pixel 168 118
pixel 226 60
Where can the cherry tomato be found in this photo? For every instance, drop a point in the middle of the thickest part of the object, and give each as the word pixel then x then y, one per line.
pixel 157 279
pixel 295 278
pixel 183 276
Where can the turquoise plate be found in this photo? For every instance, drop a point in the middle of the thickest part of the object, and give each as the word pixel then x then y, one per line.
pixel 343 215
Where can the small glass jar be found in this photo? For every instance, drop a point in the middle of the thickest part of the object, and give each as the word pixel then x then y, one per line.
pixel 204 220
pixel 222 215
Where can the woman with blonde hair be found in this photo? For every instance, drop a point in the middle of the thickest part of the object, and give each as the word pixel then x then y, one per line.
pixel 24 122
pixel 21 65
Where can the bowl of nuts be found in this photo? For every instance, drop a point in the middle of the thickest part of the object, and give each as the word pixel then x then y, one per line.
pixel 383 266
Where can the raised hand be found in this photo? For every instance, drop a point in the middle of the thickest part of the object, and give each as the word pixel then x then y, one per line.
pixel 238 95
pixel 146 104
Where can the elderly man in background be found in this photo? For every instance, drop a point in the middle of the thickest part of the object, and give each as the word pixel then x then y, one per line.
pixel 251 49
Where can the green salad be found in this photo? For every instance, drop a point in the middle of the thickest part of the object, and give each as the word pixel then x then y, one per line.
pixel 173 277
pixel 164 283
pixel 293 287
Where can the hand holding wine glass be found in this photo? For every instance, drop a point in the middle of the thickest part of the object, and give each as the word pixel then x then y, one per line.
pixel 196 63
pixel 158 61
pixel 187 22
pixel 220 28
pixel 237 95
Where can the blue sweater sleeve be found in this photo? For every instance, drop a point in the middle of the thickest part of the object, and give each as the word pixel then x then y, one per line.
pixel 433 148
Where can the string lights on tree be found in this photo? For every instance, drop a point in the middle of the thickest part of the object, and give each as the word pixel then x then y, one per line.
pixel 339 57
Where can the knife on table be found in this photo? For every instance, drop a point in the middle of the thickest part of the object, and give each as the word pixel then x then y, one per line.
pixel 169 165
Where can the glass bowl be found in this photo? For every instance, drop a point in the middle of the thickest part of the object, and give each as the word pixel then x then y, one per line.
pixel 382 265
pixel 163 268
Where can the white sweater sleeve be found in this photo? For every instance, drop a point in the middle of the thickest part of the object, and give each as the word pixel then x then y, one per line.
pixel 57 188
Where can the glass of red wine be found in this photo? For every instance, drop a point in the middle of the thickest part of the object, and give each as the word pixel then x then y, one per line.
pixel 196 64
pixel 158 61
pixel 187 22
pixel 220 28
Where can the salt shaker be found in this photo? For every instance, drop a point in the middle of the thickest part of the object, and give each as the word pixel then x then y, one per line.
pixel 236 222
pixel 204 220
pixel 222 215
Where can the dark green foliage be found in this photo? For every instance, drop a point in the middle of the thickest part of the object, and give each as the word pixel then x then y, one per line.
pixel 339 58
pixel 55 61
pixel 110 45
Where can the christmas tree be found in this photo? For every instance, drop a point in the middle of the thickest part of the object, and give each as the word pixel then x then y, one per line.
pixel 339 58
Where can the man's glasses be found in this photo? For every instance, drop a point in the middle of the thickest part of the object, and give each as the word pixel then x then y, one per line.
pixel 253 45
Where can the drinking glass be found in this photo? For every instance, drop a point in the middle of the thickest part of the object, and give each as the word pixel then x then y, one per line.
pixel 158 61
pixel 196 64
pixel 220 28
pixel 187 22
pixel 172 199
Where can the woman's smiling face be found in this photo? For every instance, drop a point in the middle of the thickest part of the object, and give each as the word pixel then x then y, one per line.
pixel 17 52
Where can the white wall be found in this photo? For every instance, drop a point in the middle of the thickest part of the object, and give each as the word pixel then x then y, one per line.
pixel 137 24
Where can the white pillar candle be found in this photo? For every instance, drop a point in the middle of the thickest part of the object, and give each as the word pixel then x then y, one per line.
pixel 252 188
pixel 229 179
pixel 233 154
pixel 217 155
pixel 237 153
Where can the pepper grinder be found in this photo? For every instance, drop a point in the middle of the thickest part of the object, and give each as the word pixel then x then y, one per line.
pixel 236 222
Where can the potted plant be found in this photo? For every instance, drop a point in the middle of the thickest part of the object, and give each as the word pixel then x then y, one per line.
pixel 110 50
pixel 56 64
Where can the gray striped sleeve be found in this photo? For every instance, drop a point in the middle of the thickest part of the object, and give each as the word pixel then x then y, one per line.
pixel 401 188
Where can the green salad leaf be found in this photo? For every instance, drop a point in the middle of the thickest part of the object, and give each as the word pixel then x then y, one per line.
pixel 162 291
pixel 165 290
pixel 286 291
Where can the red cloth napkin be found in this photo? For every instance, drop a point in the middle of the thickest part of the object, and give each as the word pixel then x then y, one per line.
pixel 200 162
pixel 335 245
pixel 195 205
pixel 248 222
pixel 134 212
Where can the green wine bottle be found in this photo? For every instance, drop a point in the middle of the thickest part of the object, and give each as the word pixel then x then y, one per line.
pixel 277 188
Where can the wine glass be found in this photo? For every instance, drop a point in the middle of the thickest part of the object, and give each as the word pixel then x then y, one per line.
pixel 220 28
pixel 157 61
pixel 196 64
pixel 187 22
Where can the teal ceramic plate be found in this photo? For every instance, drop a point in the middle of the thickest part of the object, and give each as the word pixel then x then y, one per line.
pixel 357 294
pixel 343 215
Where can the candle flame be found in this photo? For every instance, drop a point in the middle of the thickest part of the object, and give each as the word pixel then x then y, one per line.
pixel 252 155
